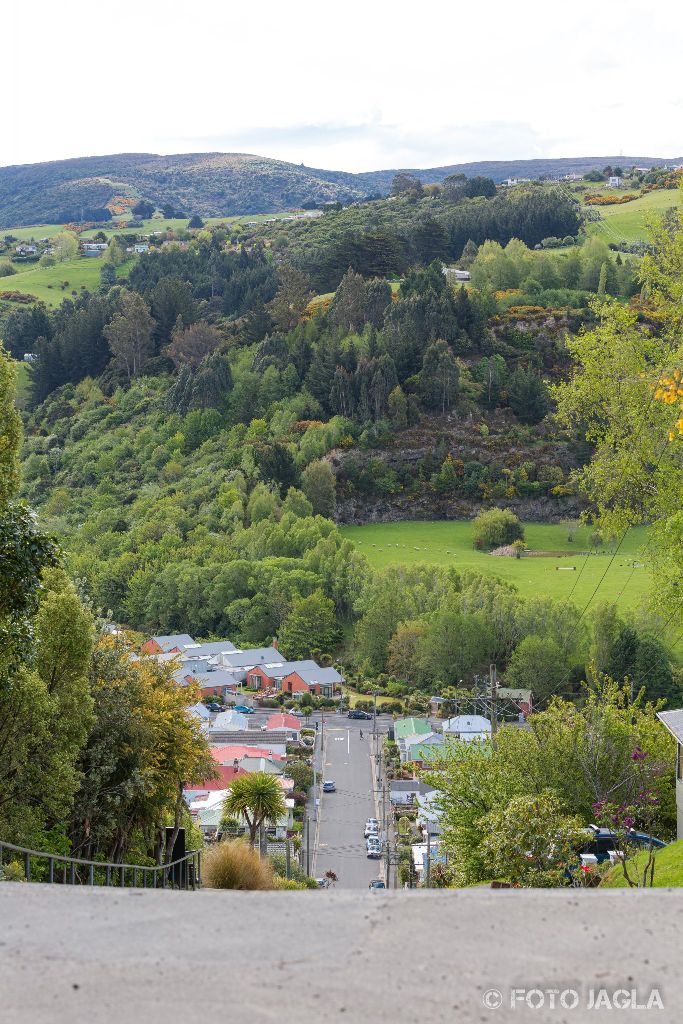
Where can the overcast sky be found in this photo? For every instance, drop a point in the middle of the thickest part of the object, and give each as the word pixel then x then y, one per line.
pixel 353 85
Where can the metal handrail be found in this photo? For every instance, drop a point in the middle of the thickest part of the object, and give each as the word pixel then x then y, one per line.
pixel 186 870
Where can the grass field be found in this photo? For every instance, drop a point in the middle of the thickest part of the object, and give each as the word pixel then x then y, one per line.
pixel 450 543
pixel 45 282
pixel 628 222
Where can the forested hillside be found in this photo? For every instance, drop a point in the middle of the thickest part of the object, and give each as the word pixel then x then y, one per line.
pixel 193 432
pixel 220 184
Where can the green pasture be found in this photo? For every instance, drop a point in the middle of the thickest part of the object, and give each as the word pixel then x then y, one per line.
pixel 629 222
pixel 33 232
pixel 46 282
pixel 555 574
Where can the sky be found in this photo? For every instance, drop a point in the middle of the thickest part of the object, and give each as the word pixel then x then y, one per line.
pixel 348 86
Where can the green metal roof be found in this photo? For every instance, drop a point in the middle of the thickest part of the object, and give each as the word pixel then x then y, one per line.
pixel 411 727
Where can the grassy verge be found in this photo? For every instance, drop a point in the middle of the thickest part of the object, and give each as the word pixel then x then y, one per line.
pixel 668 869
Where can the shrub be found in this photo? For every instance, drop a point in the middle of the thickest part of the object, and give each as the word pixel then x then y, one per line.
pixel 496 527
pixel 12 872
pixel 233 864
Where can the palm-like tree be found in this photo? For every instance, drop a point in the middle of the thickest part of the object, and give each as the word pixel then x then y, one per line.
pixel 256 797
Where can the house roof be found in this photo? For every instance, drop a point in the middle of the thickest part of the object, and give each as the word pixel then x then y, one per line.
pixel 167 643
pixel 467 724
pixel 283 722
pixel 315 675
pixel 673 720
pixel 253 656
pixel 229 720
pixel 200 711
pixel 427 738
pixel 234 752
pixel 211 648
pixel 404 727
pixel 212 678
pixel 226 773
pixel 409 786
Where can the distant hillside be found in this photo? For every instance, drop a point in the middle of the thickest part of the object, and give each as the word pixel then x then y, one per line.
pixel 221 184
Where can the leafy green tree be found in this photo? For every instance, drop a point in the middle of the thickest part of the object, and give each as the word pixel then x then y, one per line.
pixel 527 396
pixel 291 299
pixel 439 377
pixel 257 798
pixel 537 665
pixel 531 841
pixel 129 333
pixel 319 485
pixel 195 222
pixel 310 625
pixel 496 527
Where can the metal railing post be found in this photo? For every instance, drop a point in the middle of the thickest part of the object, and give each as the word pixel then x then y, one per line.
pixel 27 866
pixel 72 874
pixel 51 869
pixel 91 875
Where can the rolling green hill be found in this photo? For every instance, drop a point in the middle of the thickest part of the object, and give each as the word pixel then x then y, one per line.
pixel 221 184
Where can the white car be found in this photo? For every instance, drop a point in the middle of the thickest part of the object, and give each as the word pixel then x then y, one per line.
pixel 371 827
pixel 374 848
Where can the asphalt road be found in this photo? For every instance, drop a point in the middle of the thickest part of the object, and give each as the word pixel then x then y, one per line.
pixel 340 846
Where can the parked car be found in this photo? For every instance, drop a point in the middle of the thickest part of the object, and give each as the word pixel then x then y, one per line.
pixel 371 827
pixel 376 884
pixel 329 786
pixel 214 707
pixel 602 841
pixel 373 848
pixel 355 713
pixel 243 709
pixel 297 712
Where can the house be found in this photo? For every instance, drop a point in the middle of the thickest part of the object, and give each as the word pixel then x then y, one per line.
pixel 572 176
pixel 94 248
pixel 176 643
pixel 212 682
pixel 456 274
pixel 212 649
pixel 410 727
pixel 673 720
pixel 274 742
pixel 468 728
pixel 429 813
pixel 200 711
pixel 238 663
pixel 406 792
pixel 225 775
pixel 320 681
pixel 281 721
pixel 206 810
pixel 234 720
pixel 26 249
pixel 419 853
pixel 420 749
pixel 614 181
pixel 521 698
pixel 249 759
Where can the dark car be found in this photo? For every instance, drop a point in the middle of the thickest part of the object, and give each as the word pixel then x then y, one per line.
pixel 214 707
pixel 364 715
pixel 602 841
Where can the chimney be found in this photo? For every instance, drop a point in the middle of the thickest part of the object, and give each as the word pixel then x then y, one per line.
pixel 235 766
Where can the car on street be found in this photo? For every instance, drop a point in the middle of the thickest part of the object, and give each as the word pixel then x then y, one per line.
pixel 214 707
pixel 297 712
pixel 243 709
pixel 363 715
pixel 329 786
pixel 371 827
pixel 373 848
pixel 376 884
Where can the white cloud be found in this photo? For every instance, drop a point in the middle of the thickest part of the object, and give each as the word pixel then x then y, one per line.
pixel 356 86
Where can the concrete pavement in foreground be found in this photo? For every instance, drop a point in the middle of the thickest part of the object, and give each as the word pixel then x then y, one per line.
pixel 340 846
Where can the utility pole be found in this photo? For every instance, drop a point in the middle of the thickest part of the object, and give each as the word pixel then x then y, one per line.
pixel 308 844
pixel 374 714
pixel 428 861
pixel 494 702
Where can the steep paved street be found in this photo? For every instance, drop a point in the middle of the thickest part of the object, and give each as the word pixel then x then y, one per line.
pixel 340 844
